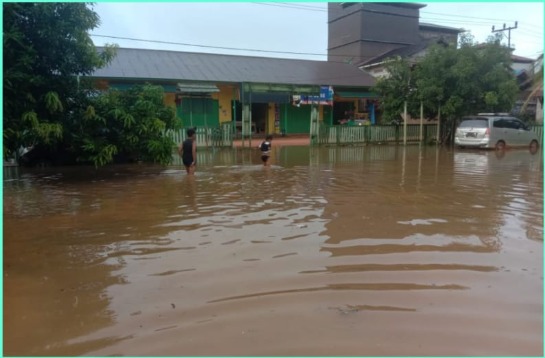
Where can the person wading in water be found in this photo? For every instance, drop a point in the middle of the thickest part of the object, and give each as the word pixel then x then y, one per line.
pixel 188 151
pixel 265 148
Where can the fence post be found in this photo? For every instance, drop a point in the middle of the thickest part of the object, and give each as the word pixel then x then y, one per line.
pixel 421 120
pixel 313 124
pixel 438 126
pixel 425 139
pixel 405 123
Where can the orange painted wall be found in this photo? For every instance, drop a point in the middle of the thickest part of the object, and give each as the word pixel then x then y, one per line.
pixel 269 128
pixel 226 94
pixel 168 100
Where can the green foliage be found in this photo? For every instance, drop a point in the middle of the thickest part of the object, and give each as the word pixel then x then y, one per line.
pixel 536 91
pixel 460 80
pixel 130 124
pixel 394 89
pixel 46 46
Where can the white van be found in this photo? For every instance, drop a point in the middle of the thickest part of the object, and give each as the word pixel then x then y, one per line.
pixel 499 131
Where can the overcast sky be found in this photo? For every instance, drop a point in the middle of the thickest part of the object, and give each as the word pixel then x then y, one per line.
pixel 299 29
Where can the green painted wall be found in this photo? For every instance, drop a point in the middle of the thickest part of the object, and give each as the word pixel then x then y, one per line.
pixel 327 115
pixel 199 112
pixel 295 119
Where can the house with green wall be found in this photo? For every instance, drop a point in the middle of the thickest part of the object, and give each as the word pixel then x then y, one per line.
pixel 257 95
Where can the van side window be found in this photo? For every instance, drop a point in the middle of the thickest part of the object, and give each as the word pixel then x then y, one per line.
pixel 500 123
pixel 513 124
pixel 521 124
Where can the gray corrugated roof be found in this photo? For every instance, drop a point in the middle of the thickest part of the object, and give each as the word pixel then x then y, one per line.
pixel 403 52
pixel 179 66
pixel 440 27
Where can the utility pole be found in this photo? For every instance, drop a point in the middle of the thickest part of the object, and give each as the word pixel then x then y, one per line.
pixel 509 32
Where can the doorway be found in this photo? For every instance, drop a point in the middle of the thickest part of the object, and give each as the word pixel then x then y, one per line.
pixel 342 111
pixel 260 115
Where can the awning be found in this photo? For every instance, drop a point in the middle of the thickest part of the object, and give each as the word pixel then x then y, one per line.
pixel 196 88
pixel 353 94
pixel 127 86
pixel 265 97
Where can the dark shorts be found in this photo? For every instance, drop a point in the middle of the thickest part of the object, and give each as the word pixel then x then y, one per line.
pixel 264 158
pixel 187 162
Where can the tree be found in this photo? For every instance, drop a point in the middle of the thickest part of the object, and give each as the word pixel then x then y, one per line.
pixel 460 80
pixel 536 93
pixel 394 89
pixel 125 125
pixel 46 49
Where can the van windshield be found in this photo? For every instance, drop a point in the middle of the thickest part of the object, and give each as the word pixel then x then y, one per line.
pixel 474 123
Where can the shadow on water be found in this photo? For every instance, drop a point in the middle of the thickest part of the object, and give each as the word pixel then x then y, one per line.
pixel 436 246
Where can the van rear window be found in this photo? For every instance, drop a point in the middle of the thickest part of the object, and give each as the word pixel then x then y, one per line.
pixel 474 123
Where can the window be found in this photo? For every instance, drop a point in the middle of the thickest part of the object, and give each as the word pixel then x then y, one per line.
pixel 518 124
pixel 500 123
pixel 474 123
pixel 512 123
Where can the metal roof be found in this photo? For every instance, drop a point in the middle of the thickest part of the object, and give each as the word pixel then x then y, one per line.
pixel 440 27
pixel 521 59
pixel 403 52
pixel 148 64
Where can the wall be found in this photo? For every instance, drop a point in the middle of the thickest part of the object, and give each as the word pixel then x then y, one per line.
pixel 168 100
pixel 447 37
pixel 521 66
pixel 366 30
pixel 226 94
pixel 390 23
pixel 539 110
pixel 269 127
pixel 344 30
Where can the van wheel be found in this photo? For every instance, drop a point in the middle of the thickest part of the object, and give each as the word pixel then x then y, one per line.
pixel 534 145
pixel 500 145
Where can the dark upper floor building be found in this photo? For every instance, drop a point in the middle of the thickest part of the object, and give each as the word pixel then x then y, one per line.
pixel 364 33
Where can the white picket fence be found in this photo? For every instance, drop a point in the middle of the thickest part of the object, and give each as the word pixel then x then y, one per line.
pixel 207 137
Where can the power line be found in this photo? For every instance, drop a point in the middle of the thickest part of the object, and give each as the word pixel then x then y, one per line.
pixel 315 8
pixel 206 46
pixel 361 58
pixel 508 29
pixel 530 32
pixel 233 48
pixel 464 19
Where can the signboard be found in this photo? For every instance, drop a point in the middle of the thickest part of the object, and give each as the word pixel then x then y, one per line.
pixel 325 97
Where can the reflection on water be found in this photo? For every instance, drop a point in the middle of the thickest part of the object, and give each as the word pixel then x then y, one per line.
pixel 380 250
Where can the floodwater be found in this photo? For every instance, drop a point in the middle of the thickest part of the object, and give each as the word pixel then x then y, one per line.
pixel 379 250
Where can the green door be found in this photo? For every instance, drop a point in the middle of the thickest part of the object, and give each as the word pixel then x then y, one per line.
pixel 295 120
pixel 199 112
pixel 328 115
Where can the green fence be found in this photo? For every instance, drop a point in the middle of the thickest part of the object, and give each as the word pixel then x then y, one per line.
pixel 538 129
pixel 388 134
pixel 374 134
pixel 207 137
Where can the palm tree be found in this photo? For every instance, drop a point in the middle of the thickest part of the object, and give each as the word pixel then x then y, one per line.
pixel 536 91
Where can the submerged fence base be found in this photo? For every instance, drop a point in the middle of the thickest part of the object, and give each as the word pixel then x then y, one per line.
pixel 207 137
pixel 375 134
pixel 389 134
pixel 222 136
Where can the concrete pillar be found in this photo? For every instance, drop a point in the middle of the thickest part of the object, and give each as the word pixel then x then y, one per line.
pixel 314 125
pixel 246 123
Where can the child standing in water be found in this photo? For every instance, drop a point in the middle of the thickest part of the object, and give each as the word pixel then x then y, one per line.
pixel 265 148
pixel 188 151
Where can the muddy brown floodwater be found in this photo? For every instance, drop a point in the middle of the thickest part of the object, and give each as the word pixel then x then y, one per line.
pixel 362 251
